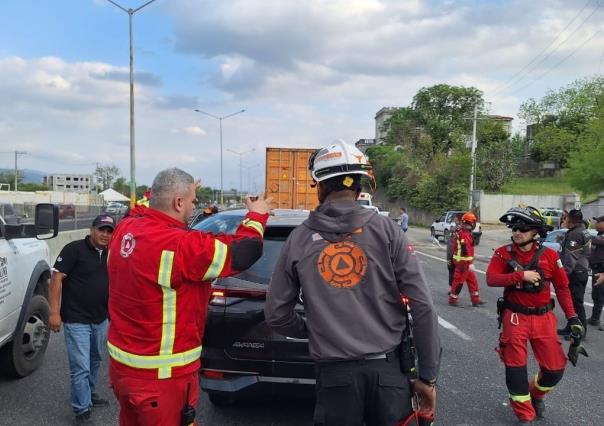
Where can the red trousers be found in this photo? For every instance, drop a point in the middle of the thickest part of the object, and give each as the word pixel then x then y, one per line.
pixel 463 274
pixel 157 402
pixel 540 330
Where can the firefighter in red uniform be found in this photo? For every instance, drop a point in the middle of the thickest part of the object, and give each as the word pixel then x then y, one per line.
pixel 526 270
pixel 463 262
pixel 159 274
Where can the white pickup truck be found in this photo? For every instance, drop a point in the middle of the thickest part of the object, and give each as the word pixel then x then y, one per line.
pixel 441 227
pixel 24 275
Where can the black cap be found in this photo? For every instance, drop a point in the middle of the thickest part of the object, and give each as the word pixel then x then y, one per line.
pixel 102 221
pixel 598 219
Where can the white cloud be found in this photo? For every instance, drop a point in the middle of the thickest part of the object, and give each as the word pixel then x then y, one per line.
pixel 306 72
pixel 194 131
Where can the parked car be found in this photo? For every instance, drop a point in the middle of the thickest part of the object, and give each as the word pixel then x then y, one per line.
pixel 554 238
pixel 441 227
pixel 240 352
pixel 66 211
pixel 116 208
pixel 552 216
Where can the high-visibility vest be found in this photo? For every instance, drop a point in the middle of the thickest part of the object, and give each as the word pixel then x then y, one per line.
pixel 463 250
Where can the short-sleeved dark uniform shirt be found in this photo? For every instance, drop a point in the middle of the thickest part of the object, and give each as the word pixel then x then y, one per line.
pixel 85 289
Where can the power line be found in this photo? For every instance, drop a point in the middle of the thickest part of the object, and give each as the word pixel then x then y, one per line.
pixel 558 64
pixel 512 83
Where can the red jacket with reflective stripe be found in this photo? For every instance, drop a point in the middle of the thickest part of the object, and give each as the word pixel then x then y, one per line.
pixel 159 287
pixel 463 248
pixel 501 274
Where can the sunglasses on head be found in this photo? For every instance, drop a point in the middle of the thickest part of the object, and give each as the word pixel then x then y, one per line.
pixel 521 228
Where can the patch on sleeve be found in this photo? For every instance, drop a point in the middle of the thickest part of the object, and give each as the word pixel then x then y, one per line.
pixel 59 259
pixel 316 236
pixel 559 263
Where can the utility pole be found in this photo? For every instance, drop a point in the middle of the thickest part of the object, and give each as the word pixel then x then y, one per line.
pixel 16 153
pixel 131 13
pixel 474 119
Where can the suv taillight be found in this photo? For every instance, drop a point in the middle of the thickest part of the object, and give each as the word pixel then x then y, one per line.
pixel 221 294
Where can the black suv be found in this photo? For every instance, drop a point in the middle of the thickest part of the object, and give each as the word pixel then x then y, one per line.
pixel 240 352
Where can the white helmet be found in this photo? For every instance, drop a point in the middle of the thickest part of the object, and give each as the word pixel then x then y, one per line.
pixel 337 159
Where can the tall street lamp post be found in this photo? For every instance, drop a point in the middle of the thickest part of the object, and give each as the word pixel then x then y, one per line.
pixel 131 13
pixel 241 154
pixel 221 169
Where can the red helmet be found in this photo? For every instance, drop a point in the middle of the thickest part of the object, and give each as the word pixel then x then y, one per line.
pixel 470 218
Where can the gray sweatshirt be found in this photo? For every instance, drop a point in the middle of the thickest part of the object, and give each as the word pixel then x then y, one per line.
pixel 352 264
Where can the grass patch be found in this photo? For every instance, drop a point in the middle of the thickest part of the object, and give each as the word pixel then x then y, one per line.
pixel 543 186
pixel 538 186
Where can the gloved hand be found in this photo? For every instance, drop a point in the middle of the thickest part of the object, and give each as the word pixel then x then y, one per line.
pixel 471 267
pixel 576 335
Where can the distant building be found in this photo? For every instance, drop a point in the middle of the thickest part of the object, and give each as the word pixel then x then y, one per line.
pixel 363 144
pixel 69 183
pixel 505 120
pixel 380 118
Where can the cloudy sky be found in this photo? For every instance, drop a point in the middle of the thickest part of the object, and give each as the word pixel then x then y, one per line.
pixel 306 72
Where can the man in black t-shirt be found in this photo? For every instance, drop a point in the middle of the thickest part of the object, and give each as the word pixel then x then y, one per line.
pixel 79 290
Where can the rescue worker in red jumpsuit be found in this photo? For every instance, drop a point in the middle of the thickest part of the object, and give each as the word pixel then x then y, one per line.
pixel 463 262
pixel 527 270
pixel 159 274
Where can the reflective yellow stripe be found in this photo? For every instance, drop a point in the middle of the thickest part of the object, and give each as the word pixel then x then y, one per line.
pixel 168 329
pixel 165 268
pixel 520 398
pixel 153 361
pixel 458 257
pixel 257 226
pixel 220 255
pixel 541 388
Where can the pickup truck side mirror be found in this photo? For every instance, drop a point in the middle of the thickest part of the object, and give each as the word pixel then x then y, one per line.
pixel 47 221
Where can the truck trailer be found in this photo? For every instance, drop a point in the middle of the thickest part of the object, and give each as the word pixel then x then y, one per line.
pixel 288 180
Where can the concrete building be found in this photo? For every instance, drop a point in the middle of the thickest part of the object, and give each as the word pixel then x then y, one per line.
pixel 505 120
pixel 69 182
pixel 380 118
pixel 363 144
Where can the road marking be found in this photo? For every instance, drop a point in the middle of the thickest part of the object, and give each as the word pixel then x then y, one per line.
pixel 482 272
pixel 454 329
pixel 443 260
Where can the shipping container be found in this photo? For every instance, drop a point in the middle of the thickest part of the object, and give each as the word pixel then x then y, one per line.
pixel 288 179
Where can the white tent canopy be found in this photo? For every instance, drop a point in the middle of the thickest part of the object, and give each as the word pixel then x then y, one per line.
pixel 112 195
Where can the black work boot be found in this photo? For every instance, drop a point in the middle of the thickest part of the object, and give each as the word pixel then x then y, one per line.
pixel 97 401
pixel 539 406
pixel 594 322
pixel 83 418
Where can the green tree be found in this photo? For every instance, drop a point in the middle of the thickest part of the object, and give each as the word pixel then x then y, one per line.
pixel 9 178
pixel 105 176
pixel 585 165
pixel 443 110
pixel 497 155
pixel 561 117
pixel 122 186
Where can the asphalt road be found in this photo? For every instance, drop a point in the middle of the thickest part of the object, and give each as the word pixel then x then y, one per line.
pixel 471 388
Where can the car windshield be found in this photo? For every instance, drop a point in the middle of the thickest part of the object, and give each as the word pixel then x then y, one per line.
pixel 274 238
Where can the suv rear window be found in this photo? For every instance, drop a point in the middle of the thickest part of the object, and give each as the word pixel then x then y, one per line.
pixel 274 238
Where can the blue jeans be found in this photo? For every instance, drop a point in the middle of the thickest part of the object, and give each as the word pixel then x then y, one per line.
pixel 84 345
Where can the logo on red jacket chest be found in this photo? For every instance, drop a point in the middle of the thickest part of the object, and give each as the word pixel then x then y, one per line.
pixel 127 245
pixel 342 265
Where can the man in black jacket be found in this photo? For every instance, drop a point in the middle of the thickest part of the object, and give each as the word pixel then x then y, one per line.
pixel 596 262
pixel 575 253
